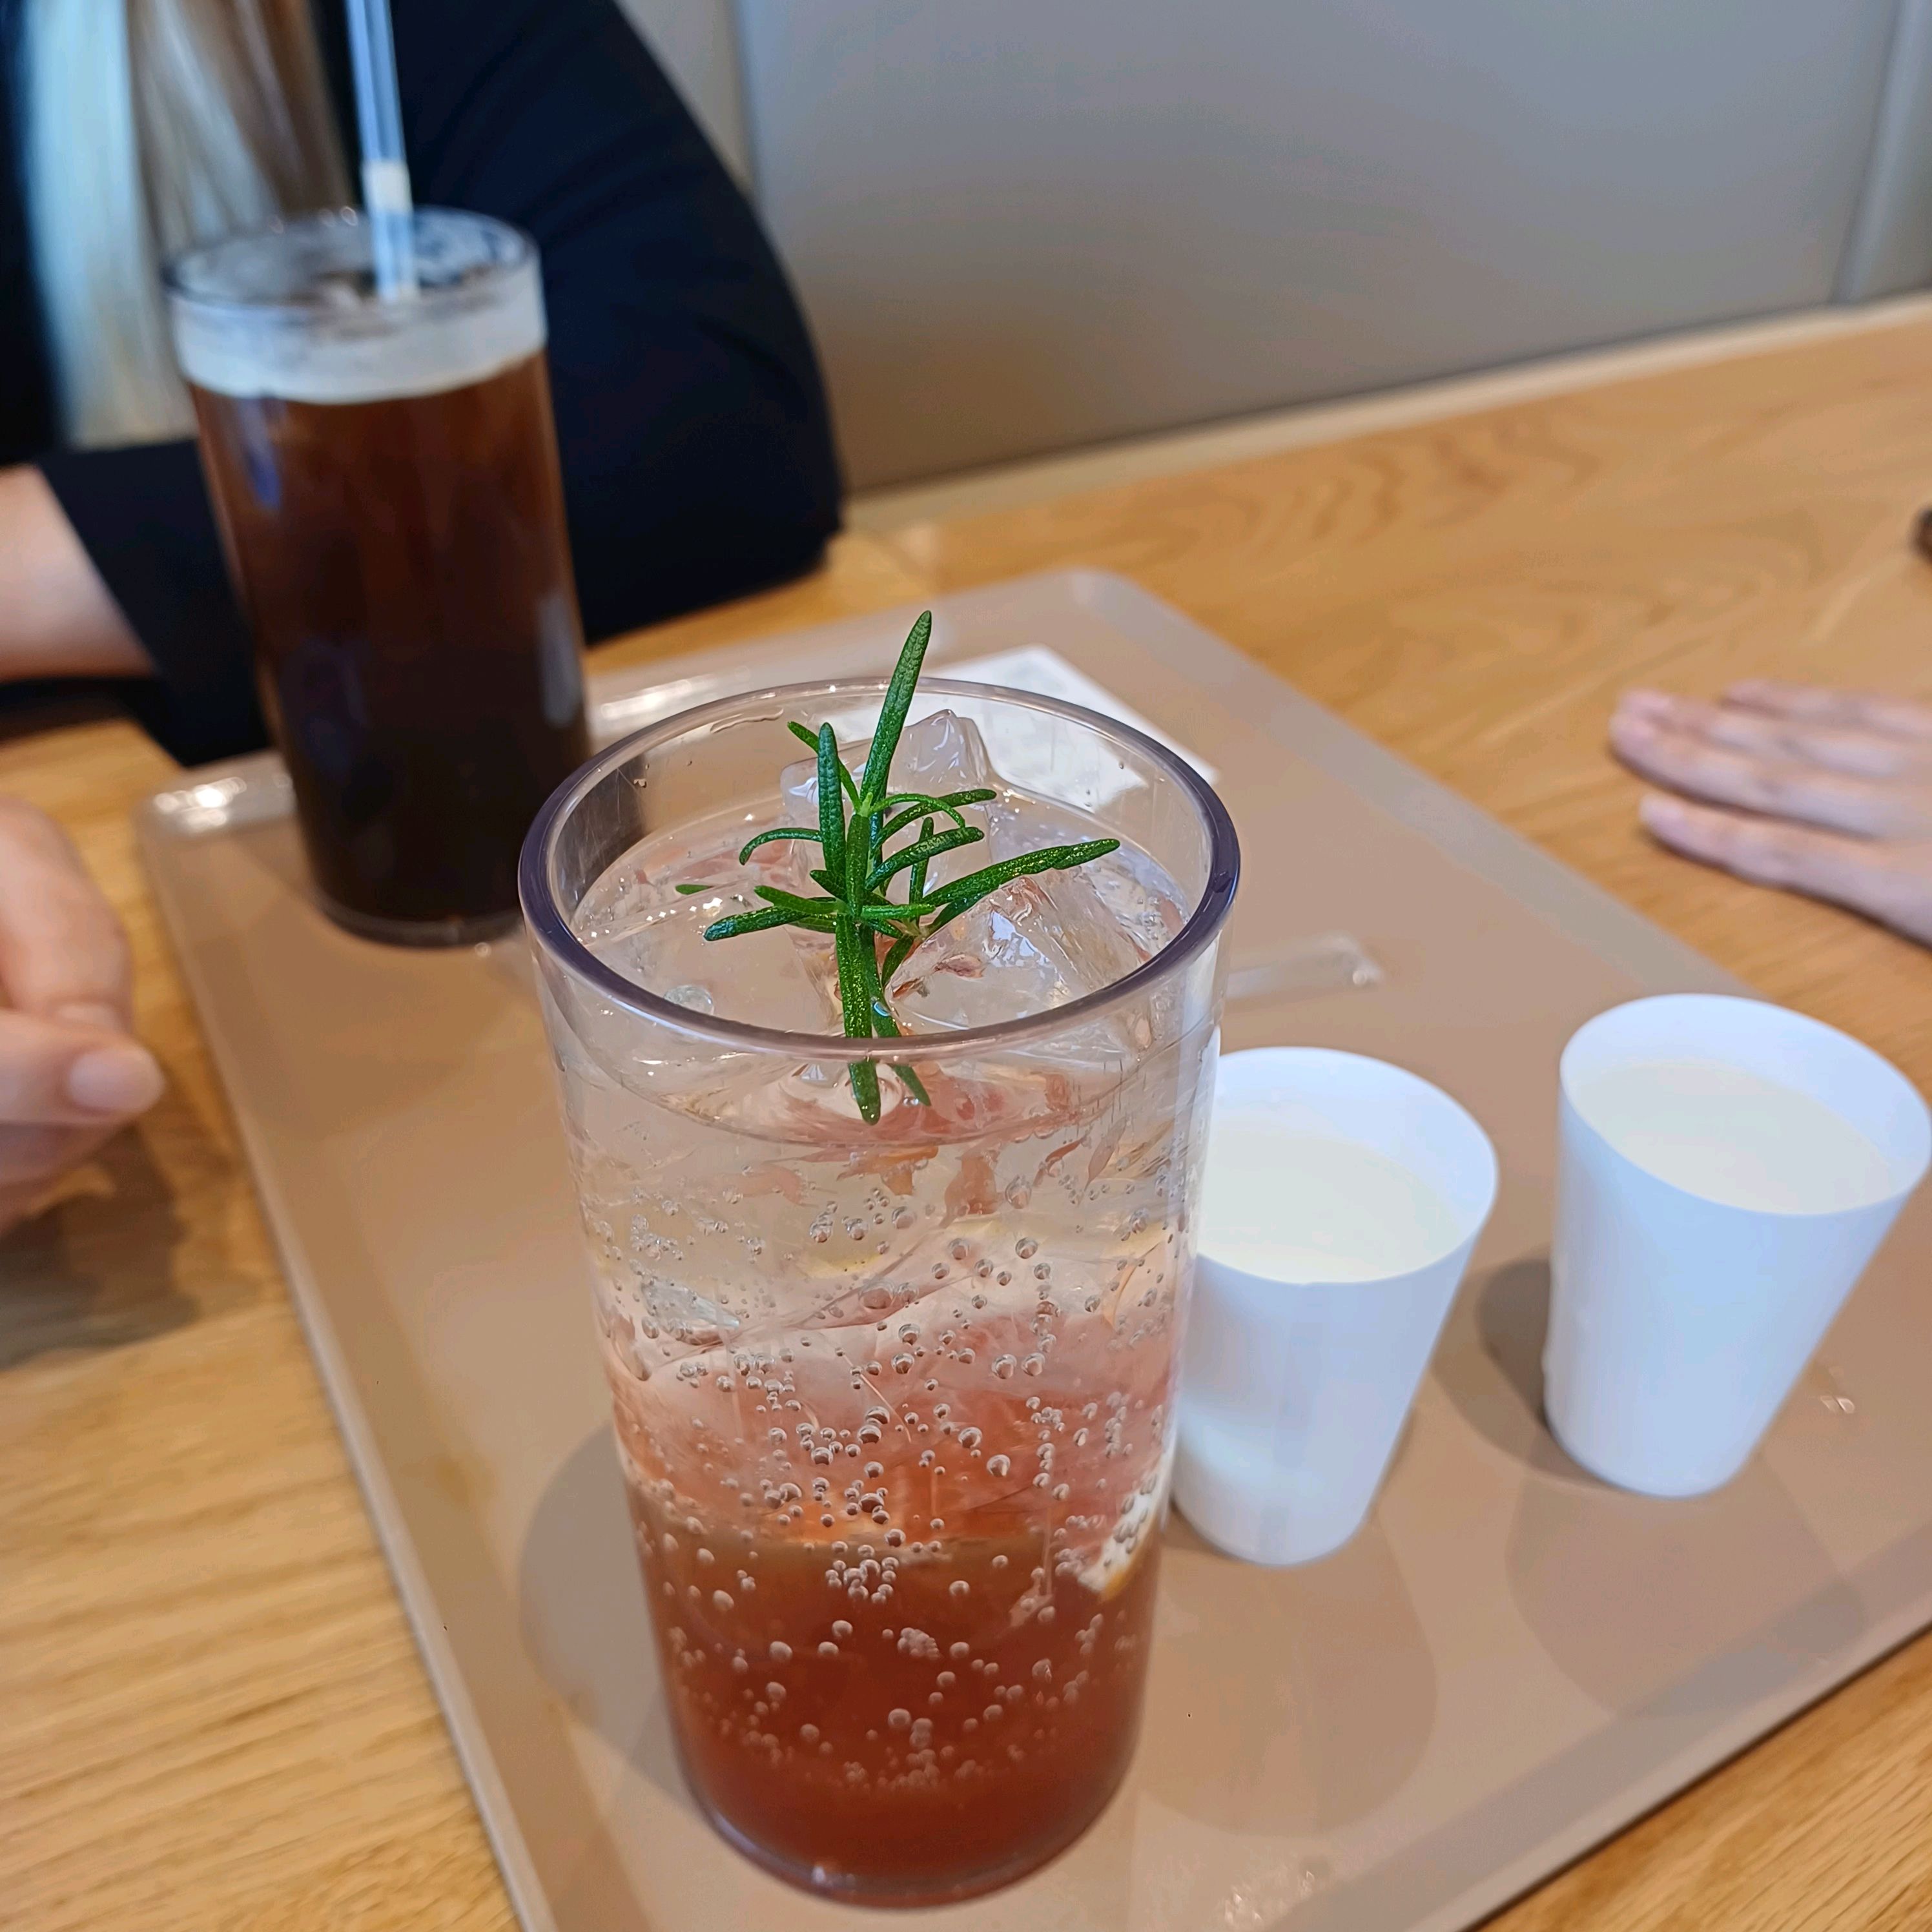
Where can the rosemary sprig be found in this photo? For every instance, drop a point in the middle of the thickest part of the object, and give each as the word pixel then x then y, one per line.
pixel 856 818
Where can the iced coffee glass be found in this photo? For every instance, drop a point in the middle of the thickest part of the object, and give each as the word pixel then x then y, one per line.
pixel 384 474
pixel 894 1399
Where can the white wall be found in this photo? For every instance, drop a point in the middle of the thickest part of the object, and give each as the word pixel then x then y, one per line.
pixel 1020 226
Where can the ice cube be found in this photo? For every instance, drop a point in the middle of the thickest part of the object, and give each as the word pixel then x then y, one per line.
pixel 1139 897
pixel 764 978
pixel 1016 824
pixel 940 753
pixel 1039 942
pixel 631 892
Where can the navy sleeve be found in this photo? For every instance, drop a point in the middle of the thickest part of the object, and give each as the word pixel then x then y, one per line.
pixel 145 518
pixel 697 451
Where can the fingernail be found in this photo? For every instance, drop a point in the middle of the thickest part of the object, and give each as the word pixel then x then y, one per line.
pixel 1646 701
pixel 124 1079
pixel 93 1013
pixel 1658 813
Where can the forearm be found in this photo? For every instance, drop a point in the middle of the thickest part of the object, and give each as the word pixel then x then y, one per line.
pixel 56 617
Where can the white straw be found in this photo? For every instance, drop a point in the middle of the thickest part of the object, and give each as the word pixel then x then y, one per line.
pixel 385 173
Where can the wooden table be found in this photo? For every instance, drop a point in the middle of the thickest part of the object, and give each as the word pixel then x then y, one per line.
pixel 212 1715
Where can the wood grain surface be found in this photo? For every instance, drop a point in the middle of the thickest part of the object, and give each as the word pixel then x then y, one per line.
pixel 212 1715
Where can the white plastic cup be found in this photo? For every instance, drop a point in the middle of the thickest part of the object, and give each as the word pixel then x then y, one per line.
pixel 1299 1365
pixel 1699 1260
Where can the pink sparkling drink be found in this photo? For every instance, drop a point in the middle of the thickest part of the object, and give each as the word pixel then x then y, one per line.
pixel 893 1400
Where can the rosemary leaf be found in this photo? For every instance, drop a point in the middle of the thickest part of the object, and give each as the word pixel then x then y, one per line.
pixel 916 885
pixel 831 811
pixel 892 712
pixel 748 922
pixel 809 739
pixel 850 944
pixel 885 1026
pixel 918 805
pixel 960 893
pixel 763 838
pixel 918 855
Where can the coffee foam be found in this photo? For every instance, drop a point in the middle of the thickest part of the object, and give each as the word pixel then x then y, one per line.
pixel 292 316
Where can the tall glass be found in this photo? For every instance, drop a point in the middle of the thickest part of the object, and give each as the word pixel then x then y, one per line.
pixel 385 478
pixel 894 1402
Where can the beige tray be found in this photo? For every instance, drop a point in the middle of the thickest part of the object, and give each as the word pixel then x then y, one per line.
pixel 1509 1663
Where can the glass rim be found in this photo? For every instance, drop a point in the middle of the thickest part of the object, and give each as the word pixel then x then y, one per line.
pixel 522 254
pixel 549 925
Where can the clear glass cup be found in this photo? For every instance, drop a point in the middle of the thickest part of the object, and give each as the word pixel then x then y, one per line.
pixel 386 477
pixel 894 1402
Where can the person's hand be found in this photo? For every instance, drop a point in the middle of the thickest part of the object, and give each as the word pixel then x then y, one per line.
pixel 70 1072
pixel 1824 792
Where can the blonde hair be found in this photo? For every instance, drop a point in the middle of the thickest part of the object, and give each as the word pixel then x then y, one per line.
pixel 150 125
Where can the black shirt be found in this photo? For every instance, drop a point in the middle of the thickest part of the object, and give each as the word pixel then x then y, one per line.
pixel 697 452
